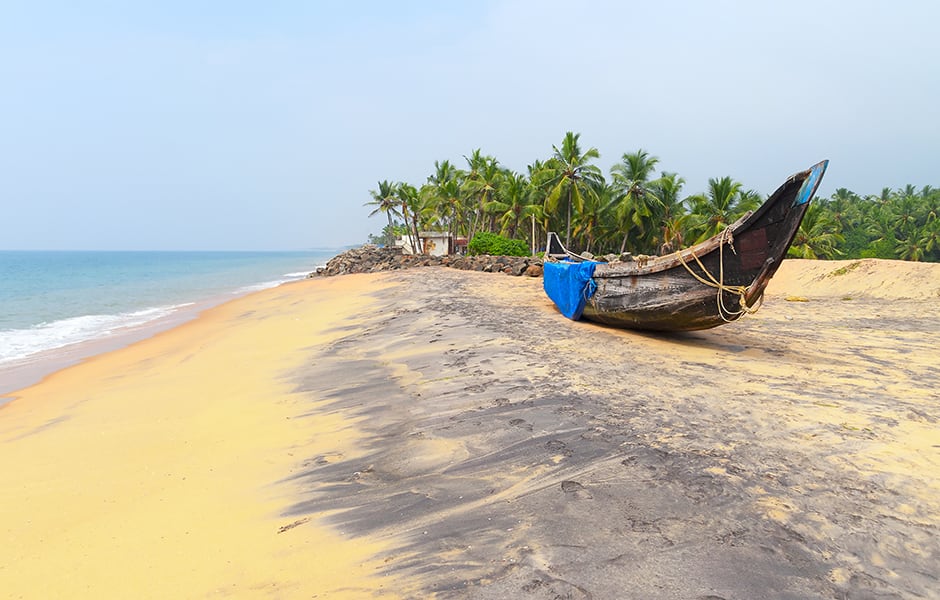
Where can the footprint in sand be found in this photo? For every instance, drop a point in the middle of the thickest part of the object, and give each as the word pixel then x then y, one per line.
pixel 521 423
pixel 576 490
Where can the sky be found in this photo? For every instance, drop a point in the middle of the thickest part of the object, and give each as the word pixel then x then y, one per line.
pixel 236 125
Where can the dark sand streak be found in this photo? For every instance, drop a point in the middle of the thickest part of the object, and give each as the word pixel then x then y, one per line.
pixel 512 453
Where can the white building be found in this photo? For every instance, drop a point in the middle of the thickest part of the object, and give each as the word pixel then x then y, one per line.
pixel 431 243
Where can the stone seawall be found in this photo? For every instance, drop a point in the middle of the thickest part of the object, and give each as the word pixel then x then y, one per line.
pixel 373 259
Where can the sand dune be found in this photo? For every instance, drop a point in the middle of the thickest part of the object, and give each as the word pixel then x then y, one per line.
pixel 868 278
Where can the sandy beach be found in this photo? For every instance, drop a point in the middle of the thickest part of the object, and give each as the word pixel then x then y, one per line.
pixel 434 432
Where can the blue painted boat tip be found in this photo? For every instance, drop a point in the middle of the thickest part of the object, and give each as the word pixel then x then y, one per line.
pixel 808 189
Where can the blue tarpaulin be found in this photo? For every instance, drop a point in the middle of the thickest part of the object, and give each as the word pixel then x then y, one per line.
pixel 569 285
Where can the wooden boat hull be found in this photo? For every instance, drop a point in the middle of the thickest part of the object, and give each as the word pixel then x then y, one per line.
pixel 711 283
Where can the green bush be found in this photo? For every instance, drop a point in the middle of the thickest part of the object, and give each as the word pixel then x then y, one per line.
pixel 496 245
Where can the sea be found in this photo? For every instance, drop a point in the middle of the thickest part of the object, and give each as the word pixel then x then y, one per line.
pixel 57 307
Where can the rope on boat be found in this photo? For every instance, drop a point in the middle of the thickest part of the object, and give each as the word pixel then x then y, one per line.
pixel 740 290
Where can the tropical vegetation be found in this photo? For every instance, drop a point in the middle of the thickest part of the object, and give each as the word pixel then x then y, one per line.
pixel 639 209
pixel 496 245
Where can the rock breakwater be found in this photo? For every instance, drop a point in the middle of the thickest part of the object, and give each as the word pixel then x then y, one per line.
pixel 373 259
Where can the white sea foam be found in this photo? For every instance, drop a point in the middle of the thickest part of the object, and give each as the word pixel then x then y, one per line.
pixel 257 287
pixel 264 285
pixel 19 344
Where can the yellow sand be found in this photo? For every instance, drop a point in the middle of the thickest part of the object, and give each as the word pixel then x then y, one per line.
pixel 162 470
pixel 159 471
pixel 823 333
pixel 864 278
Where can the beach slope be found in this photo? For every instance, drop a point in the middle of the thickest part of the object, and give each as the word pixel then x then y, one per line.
pixel 162 470
pixel 433 431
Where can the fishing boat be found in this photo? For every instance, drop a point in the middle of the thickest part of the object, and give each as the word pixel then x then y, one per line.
pixel 714 282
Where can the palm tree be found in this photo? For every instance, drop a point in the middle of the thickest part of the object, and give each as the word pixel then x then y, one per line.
pixel 385 200
pixel 748 200
pixel 910 248
pixel 884 198
pixel 930 238
pixel 410 204
pixel 818 235
pixel 931 199
pixel 480 185
pixel 572 177
pixel 540 179
pixel 675 228
pixel 879 224
pixel 906 211
pixel 513 203
pixel 843 205
pixel 589 221
pixel 642 211
pixel 724 202
pixel 445 195
pixel 847 210
pixel 671 214
pixel 635 200
pixel 908 191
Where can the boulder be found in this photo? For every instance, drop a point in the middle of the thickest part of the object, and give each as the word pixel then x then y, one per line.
pixel 374 259
pixel 533 271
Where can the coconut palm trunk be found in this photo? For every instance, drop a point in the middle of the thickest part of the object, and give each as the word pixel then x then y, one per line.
pixel 568 226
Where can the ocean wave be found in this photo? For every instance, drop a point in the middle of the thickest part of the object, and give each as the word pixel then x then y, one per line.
pixel 264 285
pixel 257 287
pixel 19 344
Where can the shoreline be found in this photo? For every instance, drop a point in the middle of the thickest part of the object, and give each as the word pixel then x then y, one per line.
pixel 28 371
pixel 175 453
pixel 64 305
pixel 473 443
pixel 32 369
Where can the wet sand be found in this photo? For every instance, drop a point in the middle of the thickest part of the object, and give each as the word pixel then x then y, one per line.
pixel 162 470
pixel 438 431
